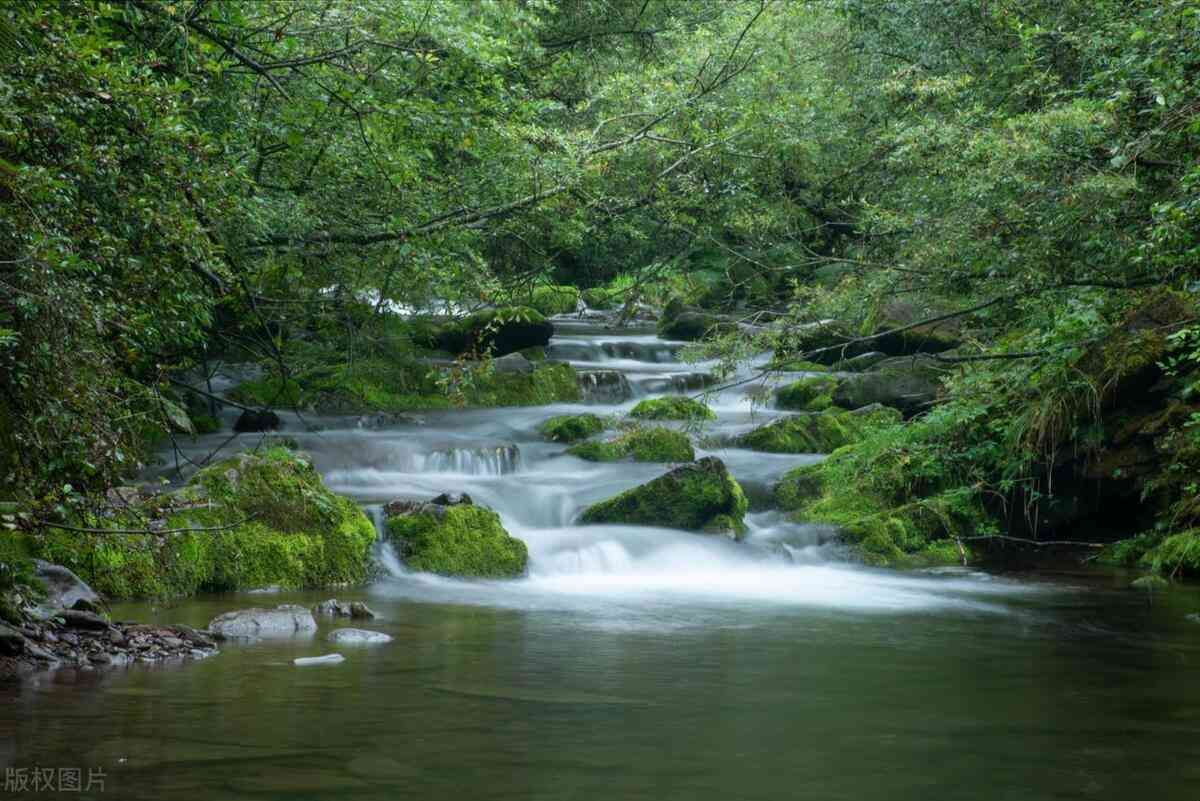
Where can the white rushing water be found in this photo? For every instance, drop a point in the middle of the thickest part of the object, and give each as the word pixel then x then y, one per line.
pixel 620 575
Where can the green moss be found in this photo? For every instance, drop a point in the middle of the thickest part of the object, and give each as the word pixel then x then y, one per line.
pixel 554 299
pixel 351 388
pixel 801 366
pixel 600 298
pixel 1176 554
pixel 461 540
pixel 807 395
pixel 654 444
pixel 816 433
pixel 690 497
pixel 571 427
pixel 549 383
pixel 673 407
pixel 271 521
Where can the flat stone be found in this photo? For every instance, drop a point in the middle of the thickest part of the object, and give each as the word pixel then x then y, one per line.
pixel 327 659
pixel 78 619
pixel 282 621
pixel 357 637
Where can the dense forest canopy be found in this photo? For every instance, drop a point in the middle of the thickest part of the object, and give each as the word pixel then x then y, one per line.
pixel 190 180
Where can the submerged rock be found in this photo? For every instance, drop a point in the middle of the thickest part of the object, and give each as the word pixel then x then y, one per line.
pixel 357 637
pixel 701 496
pixel 454 540
pixel 282 621
pixel 327 659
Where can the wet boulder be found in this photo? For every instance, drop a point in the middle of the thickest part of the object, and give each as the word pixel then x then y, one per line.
pixel 282 621
pixel 701 496
pixel 909 384
pixel 454 540
pixel 604 386
pixel 816 432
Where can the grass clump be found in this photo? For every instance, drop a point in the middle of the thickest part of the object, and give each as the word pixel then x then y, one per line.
pixel 674 407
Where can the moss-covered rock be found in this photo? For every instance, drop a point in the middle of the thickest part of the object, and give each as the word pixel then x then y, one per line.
pixel 925 531
pixel 495 331
pixel 546 383
pixel 807 395
pixel 692 497
pixel 554 299
pixel 672 407
pixel 601 298
pixel 455 540
pixel 570 428
pixel 653 444
pixel 248 521
pixel 822 432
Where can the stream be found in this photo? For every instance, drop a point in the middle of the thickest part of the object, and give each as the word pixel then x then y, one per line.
pixel 640 663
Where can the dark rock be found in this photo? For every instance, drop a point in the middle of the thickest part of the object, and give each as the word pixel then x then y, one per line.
pixel 603 386
pixel 332 608
pixel 909 384
pixel 78 619
pixel 12 642
pixel 380 420
pixel 863 361
pixel 253 420
pixel 453 499
pixel 360 611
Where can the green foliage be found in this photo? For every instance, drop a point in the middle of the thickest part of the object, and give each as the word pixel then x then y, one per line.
pixel 570 428
pixel 249 521
pixel 672 407
pixel 693 497
pixel 554 299
pixel 649 444
pixel 462 540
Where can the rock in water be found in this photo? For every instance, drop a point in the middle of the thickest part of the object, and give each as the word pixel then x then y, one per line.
pixel 332 608
pixel 1194 618
pixel 701 496
pixel 357 637
pixel 454 540
pixel 360 611
pixel 253 420
pixel 603 386
pixel 327 659
pixel 282 621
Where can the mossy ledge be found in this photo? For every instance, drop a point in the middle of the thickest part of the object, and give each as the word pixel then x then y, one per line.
pixel 672 407
pixel 701 496
pixel 811 394
pixel 454 540
pixel 652 444
pixel 822 432
pixel 880 531
pixel 248 521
